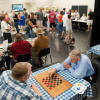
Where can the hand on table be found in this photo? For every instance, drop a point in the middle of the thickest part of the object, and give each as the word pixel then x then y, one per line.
pixel 36 89
pixel 66 65
pixel 51 72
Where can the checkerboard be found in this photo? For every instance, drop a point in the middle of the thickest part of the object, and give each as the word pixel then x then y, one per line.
pixel 67 95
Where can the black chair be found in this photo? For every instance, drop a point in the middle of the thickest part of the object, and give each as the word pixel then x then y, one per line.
pixel 24 58
pixel 93 78
pixel 43 56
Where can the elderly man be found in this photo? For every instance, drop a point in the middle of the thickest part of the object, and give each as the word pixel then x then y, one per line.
pixel 78 64
pixel 13 84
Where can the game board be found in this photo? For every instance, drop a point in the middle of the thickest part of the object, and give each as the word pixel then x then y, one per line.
pixel 54 85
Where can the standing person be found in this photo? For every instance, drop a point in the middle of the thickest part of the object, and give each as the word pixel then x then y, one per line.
pixel 15 18
pixel 48 22
pixel 65 17
pixel 21 18
pixel 60 23
pixel 40 18
pixel 68 30
pixel 25 13
pixel 64 10
pixel 6 28
pixel 52 18
pixel 90 20
pixel 13 84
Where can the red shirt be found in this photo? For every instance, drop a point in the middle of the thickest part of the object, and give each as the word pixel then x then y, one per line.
pixel 60 18
pixel 20 48
pixel 52 17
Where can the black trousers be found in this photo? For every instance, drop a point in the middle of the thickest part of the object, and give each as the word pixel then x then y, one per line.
pixel 7 36
pixel 5 59
pixel 91 79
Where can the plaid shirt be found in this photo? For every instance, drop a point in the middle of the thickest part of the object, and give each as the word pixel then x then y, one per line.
pixel 11 89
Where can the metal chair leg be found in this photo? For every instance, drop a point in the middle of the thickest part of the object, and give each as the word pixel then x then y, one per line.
pixel 51 58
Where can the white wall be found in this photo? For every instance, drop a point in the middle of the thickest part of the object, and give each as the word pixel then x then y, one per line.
pixel 32 5
pixel 68 3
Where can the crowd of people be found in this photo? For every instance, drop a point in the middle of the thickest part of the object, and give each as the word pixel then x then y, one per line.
pixel 13 82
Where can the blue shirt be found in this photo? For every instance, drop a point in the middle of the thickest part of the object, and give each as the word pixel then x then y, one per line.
pixel 80 69
pixel 11 89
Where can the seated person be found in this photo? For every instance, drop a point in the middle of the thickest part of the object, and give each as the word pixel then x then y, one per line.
pixel 13 84
pixel 77 15
pixel 69 40
pixel 20 47
pixel 4 59
pixel 72 14
pixel 78 64
pixel 32 24
pixel 40 43
pixel 83 18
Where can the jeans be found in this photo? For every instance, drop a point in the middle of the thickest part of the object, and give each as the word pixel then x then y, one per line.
pixel 60 28
pixel 16 26
pixel 30 32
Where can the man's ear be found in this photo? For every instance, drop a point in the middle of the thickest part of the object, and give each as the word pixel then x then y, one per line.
pixel 79 59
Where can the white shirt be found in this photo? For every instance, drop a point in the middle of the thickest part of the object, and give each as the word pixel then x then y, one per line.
pixel 83 18
pixel 72 15
pixel 4 26
pixel 69 25
pixel 65 17
pixel 77 15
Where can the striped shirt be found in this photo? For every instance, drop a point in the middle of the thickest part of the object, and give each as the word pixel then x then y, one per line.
pixel 11 89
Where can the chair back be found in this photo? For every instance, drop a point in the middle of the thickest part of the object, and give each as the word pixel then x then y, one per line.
pixel 44 52
pixel 24 58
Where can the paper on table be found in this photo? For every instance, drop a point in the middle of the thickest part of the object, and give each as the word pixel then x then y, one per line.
pixel 79 88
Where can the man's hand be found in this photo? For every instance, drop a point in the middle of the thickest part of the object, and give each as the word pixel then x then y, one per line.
pixel 1 53
pixel 51 72
pixel 36 89
pixel 66 65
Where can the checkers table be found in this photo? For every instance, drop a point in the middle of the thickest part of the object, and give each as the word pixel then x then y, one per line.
pixel 68 94
pixel 94 50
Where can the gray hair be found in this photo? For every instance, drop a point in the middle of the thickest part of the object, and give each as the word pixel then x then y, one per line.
pixel 75 53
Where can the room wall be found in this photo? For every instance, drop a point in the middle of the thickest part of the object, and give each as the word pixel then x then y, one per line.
pixel 6 5
pixel 32 5
pixel 68 3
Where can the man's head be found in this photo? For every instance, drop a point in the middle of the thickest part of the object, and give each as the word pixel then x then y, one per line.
pixel 18 37
pixel 40 32
pixel 75 55
pixel 69 16
pixel 21 71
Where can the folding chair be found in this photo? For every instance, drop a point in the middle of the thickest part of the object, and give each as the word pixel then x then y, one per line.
pixel 43 55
